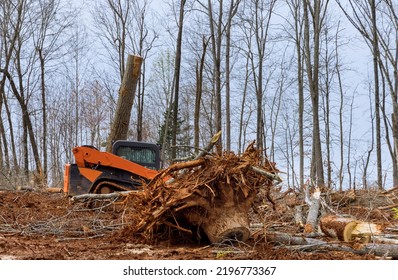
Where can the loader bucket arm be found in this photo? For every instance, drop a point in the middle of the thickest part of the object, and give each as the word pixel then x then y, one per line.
pixel 90 157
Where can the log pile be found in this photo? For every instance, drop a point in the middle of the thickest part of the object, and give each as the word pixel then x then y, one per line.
pixel 212 194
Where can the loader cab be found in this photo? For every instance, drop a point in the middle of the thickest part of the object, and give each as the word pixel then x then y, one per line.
pixel 145 154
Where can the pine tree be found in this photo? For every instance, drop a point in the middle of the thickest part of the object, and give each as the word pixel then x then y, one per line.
pixel 166 135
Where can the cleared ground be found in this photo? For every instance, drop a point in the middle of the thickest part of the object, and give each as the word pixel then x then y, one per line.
pixel 41 225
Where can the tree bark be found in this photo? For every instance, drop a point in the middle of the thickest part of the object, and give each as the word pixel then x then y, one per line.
pixel 177 68
pixel 312 59
pixel 313 212
pixel 44 113
pixel 375 50
pixel 199 89
pixel 348 229
pixel 216 40
pixel 125 102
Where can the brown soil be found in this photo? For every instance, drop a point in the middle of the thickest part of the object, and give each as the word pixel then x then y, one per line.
pixel 42 225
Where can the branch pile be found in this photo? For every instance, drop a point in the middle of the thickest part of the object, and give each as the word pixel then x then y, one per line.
pixel 213 193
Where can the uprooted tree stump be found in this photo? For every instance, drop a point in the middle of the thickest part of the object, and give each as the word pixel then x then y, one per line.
pixel 213 193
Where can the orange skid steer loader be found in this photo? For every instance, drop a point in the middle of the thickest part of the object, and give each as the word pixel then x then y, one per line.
pixel 129 164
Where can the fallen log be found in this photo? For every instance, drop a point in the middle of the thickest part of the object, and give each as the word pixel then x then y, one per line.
pixel 287 239
pixel 100 196
pixel 54 190
pixel 312 244
pixel 348 229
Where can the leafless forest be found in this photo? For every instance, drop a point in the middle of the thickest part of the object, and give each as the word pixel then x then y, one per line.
pixel 314 83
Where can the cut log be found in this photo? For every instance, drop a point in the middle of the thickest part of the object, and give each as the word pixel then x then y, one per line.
pixel 54 190
pixel 338 227
pixel 99 196
pixel 125 101
pixel 348 229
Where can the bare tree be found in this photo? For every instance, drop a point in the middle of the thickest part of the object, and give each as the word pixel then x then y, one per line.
pixel 233 9
pixel 113 20
pixel 388 62
pixel 143 44
pixel 20 82
pixel 51 22
pixel 258 23
pixel 177 69
pixel 216 32
pixel 295 7
pixel 314 15
pixel 364 19
pixel 199 88
pixel 11 25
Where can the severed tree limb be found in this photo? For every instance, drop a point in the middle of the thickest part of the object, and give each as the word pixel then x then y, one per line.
pixel 267 174
pixel 313 212
pixel 385 240
pixel 388 207
pixel 204 151
pixel 380 250
pixel 311 244
pixel 100 195
pixel 287 239
pixel 209 146
pixel 178 166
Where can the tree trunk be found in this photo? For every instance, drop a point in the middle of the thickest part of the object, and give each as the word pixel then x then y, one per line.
pixel 395 137
pixel 177 68
pixel 125 102
pixel 313 212
pixel 375 50
pixel 216 40
pixel 44 114
pixel 231 13
pixel 312 58
pixel 198 96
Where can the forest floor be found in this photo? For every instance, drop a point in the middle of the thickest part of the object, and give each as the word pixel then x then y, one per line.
pixel 42 225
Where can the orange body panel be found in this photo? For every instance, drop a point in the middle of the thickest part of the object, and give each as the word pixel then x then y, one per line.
pixel 90 174
pixel 89 157
pixel 66 177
